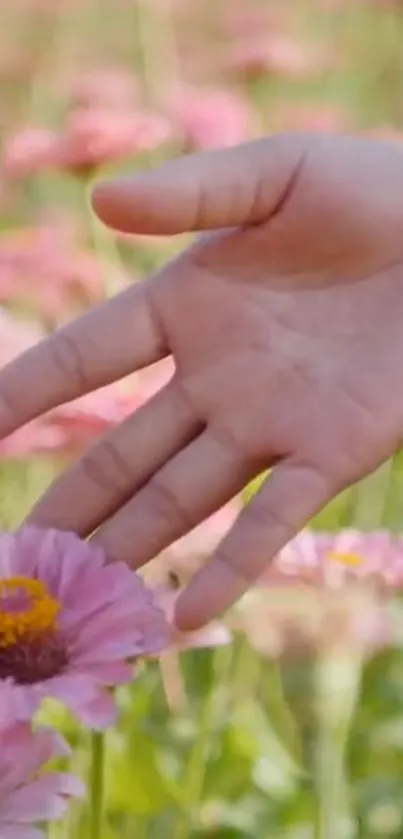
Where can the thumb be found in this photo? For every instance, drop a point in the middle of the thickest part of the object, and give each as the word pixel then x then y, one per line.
pixel 223 188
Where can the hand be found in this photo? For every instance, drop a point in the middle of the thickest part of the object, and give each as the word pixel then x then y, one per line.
pixel 286 327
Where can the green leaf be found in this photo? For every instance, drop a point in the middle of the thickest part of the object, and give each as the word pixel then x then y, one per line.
pixel 133 780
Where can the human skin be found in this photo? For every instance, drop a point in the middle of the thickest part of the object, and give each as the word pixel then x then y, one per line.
pixel 284 321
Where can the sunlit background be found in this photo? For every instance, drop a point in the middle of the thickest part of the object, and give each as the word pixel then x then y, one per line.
pixel 293 729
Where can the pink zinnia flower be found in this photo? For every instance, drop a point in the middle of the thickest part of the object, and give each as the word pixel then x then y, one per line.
pixel 249 19
pixel 209 117
pixel 335 559
pixel 94 137
pixel 318 117
pixel 26 796
pixel 69 429
pixel 45 267
pixel 181 560
pixel 100 87
pixel 37 438
pixel 16 335
pixel 327 589
pixel 215 634
pixel 277 55
pixel 69 624
pixel 298 620
pixel 27 152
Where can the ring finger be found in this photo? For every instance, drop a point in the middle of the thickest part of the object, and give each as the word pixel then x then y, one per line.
pixel 192 486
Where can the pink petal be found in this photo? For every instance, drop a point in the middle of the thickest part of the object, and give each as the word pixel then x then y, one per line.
pixel 97 591
pixel 29 753
pixel 9 565
pixel 109 673
pixel 214 635
pixel 26 793
pixel 42 800
pixel 100 713
pixel 73 689
pixel 107 617
pixel 17 702
pixel 17 831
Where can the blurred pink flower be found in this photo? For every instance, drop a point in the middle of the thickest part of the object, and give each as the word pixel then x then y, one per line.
pixel 279 55
pixel 94 137
pixel 77 424
pixel 209 118
pixel 38 437
pixel 16 335
pixel 326 589
pixel 69 624
pixel 69 429
pixel 215 634
pixel 204 539
pixel 240 20
pixel 336 559
pixel 301 619
pixel 84 419
pixel 27 796
pixel 308 117
pixel 44 267
pixel 28 151
pixel 181 560
pixel 104 87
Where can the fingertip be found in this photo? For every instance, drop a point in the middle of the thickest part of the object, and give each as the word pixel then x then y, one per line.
pixel 186 620
pixel 210 593
pixel 147 204
pixel 106 200
pixel 193 608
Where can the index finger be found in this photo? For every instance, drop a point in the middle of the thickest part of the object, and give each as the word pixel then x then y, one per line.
pixel 105 344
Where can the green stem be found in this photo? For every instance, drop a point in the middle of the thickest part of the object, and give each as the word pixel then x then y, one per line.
pixel 335 714
pixel 329 783
pixel 195 769
pixel 196 765
pixel 280 716
pixel 247 673
pixel 148 26
pixel 104 243
pixel 96 785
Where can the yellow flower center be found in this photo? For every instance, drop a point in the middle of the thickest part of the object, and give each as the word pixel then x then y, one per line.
pixel 349 558
pixel 27 611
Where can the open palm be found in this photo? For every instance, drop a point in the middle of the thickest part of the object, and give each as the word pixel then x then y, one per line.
pixel 285 324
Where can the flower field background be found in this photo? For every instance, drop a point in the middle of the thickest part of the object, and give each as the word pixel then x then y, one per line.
pixel 286 719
